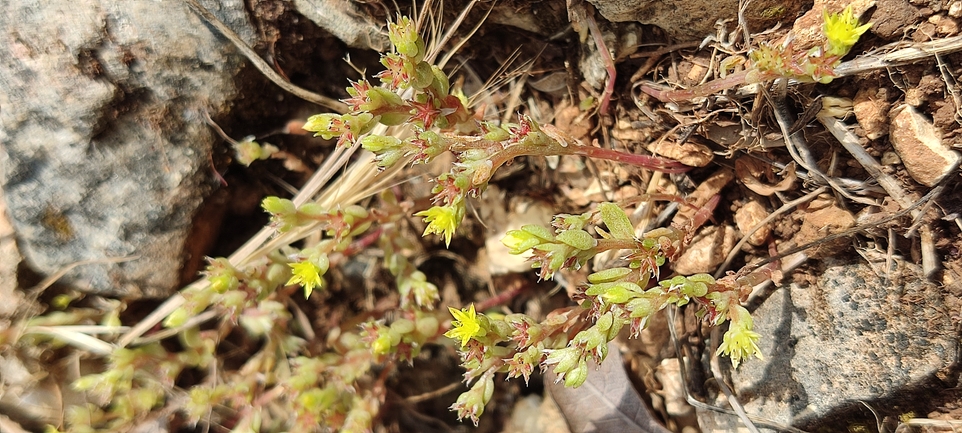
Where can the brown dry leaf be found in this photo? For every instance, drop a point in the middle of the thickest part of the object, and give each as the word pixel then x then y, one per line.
pixel 606 402
pixel 749 171
pixel 749 216
pixel 821 223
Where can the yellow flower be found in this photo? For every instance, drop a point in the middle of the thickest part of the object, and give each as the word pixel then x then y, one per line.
pixel 740 342
pixel 442 220
pixel 842 31
pixel 465 326
pixel 307 274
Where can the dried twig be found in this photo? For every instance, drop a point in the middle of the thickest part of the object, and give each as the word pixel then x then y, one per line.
pixel 914 52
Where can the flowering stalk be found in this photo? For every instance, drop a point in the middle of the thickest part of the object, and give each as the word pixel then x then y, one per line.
pixel 841 31
pixel 613 299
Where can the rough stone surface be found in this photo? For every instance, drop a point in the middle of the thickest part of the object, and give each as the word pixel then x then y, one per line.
pixel 819 223
pixel 851 336
pixel 346 22
pixel 105 151
pixel 749 216
pixel 693 20
pixel 871 109
pixel 919 145
pixel 706 251
pixel 685 20
pixel 9 260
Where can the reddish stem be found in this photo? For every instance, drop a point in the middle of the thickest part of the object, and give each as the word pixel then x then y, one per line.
pixel 503 297
pixel 664 165
pixel 364 242
pixel 609 63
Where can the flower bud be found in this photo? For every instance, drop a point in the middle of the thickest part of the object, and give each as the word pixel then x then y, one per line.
pixel 609 275
pixel 566 359
pixel 577 376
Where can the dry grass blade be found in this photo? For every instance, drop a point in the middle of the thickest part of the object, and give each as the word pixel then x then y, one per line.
pixel 850 143
pixel 898 57
pixel 74 338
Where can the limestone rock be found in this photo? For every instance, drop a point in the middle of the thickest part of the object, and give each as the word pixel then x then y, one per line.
pixel 693 20
pixel 919 145
pixel 105 150
pixel 872 111
pixel 853 336
pixel 749 216
pixel 344 21
pixel 706 251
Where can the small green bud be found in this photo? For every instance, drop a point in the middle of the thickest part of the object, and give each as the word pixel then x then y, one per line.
pixel 428 326
pixel 248 151
pixel 176 318
pixel 190 337
pixel 312 210
pixel 609 275
pixel 577 376
pixel 402 326
pixel 488 389
pixel 356 211
pixel 380 143
pixel 441 85
pixel 494 133
pixel 277 274
pixel 566 359
pixel 221 283
pixel 423 76
pixel 278 206
pixel 393 118
pixel 697 289
pixel 604 322
pixel 381 98
pixel 639 307
pixel 382 345
pixel 324 125
pixel 519 241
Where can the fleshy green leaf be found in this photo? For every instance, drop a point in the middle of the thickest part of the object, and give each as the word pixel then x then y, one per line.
pixel 617 222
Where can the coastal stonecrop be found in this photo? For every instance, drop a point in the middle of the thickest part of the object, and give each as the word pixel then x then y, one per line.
pixel 338 381
pixel 418 94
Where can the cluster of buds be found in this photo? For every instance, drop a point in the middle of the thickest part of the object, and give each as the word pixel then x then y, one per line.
pixel 841 32
pixel 817 64
pixel 429 104
pixel 613 298
pixel 403 338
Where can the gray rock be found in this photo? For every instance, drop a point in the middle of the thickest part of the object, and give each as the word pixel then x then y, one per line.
pixel 684 20
pixel 105 151
pixel 693 20
pixel 346 22
pixel 851 337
